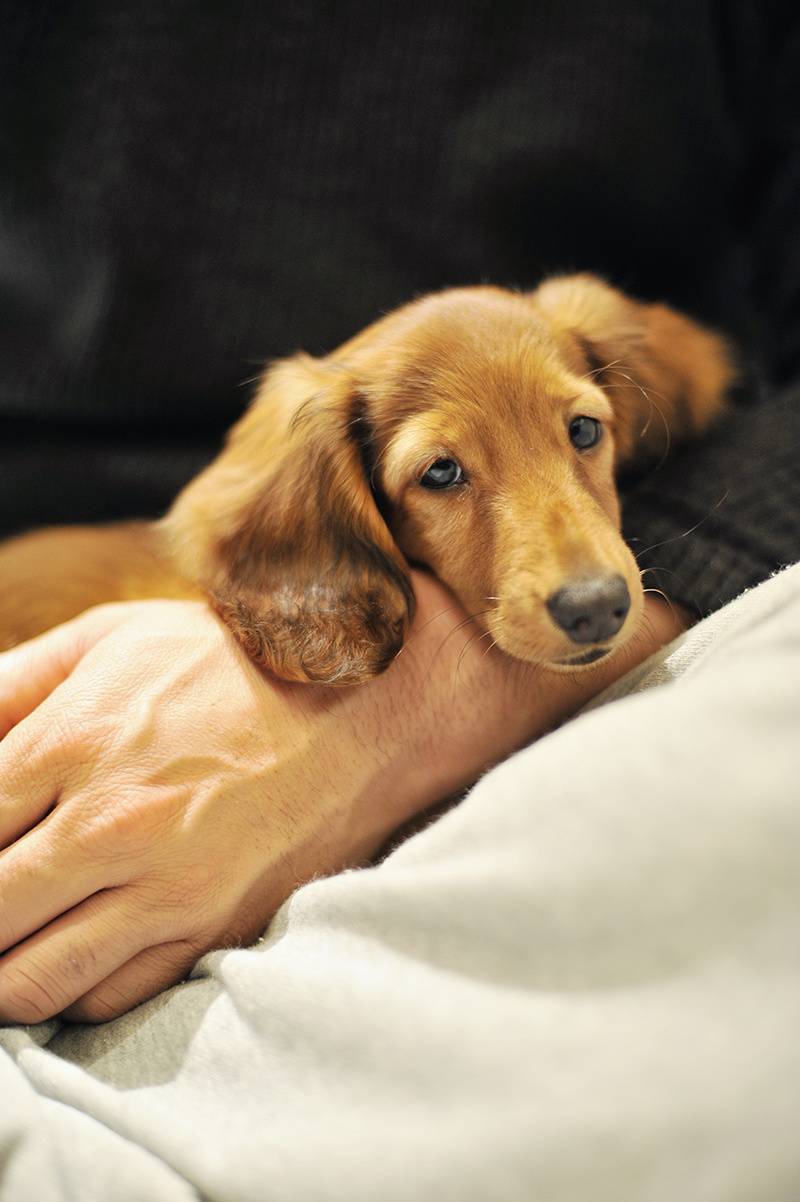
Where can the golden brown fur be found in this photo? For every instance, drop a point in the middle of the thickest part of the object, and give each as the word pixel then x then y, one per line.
pixel 302 530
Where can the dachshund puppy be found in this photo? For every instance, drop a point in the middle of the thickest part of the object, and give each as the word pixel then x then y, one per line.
pixel 476 432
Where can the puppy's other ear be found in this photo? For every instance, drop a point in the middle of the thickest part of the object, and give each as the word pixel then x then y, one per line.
pixel 283 533
pixel 665 375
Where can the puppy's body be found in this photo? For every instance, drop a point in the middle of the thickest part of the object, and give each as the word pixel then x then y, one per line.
pixel 49 576
pixel 476 432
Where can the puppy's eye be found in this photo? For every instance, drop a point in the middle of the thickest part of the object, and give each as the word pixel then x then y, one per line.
pixel 585 432
pixel 444 473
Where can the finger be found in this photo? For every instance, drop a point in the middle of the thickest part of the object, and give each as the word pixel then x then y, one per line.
pixel 47 874
pixel 29 789
pixel 48 744
pixel 152 971
pixel 29 673
pixel 69 958
pixel 46 756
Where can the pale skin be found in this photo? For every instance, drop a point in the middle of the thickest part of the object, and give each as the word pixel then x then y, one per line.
pixel 160 796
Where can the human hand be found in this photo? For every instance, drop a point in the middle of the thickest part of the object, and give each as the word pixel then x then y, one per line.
pixel 160 796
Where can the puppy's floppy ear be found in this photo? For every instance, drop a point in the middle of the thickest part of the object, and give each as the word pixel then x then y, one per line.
pixel 283 533
pixel 665 375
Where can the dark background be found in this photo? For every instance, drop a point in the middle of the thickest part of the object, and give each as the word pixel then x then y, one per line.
pixel 190 188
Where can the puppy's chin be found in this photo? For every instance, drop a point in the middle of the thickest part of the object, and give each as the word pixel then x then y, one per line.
pixel 561 660
pixel 587 659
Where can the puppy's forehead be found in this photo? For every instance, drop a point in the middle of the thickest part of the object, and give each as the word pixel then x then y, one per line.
pixel 463 351
pixel 470 334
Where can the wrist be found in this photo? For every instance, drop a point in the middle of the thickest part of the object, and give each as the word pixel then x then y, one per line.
pixel 451 705
pixel 448 708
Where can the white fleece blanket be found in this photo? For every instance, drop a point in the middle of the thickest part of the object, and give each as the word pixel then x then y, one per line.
pixel 581 984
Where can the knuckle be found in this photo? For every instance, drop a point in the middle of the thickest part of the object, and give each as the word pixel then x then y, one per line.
pixel 80 735
pixel 27 999
pixel 118 828
pixel 79 723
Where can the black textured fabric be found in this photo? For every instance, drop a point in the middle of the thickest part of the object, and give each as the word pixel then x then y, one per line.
pixel 723 514
pixel 189 188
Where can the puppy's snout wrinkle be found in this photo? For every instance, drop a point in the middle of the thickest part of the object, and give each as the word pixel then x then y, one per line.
pixel 591 610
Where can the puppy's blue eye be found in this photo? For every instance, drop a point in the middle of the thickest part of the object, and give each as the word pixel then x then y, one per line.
pixel 585 432
pixel 444 473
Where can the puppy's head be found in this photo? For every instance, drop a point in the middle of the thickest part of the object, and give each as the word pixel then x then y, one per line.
pixel 476 432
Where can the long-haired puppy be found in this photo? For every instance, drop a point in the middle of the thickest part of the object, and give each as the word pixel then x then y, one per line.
pixel 476 432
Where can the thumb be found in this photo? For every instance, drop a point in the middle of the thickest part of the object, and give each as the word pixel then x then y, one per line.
pixel 30 672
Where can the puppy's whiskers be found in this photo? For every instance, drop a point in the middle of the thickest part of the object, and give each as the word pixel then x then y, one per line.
pixel 648 394
pixel 476 637
pixel 598 371
pixel 685 534
pixel 465 622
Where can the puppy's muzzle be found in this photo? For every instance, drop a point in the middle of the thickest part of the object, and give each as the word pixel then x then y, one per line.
pixel 591 610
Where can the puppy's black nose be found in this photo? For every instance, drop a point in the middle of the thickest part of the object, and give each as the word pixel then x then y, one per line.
pixel 591 610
